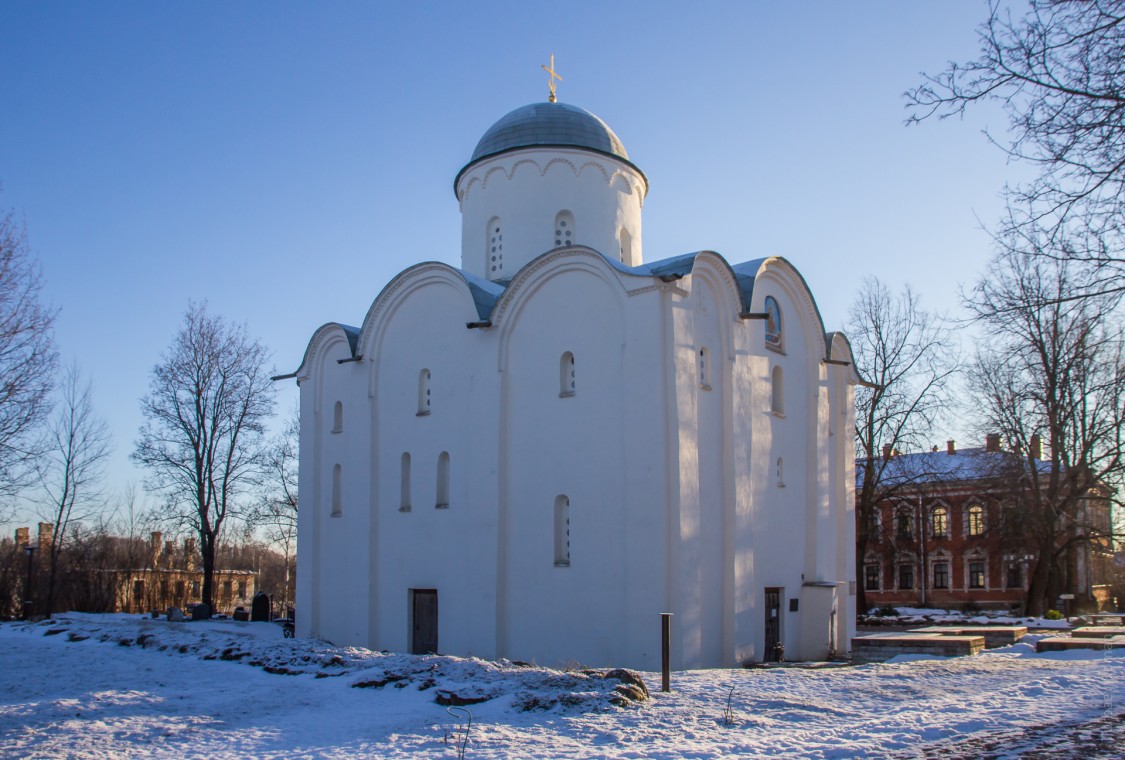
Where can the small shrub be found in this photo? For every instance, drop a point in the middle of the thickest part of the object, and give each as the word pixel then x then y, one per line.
pixel 886 611
pixel 1053 615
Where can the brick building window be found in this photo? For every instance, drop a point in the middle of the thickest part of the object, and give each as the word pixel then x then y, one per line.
pixel 976 520
pixel 871 577
pixel 906 576
pixel 976 575
pixel 904 524
pixel 939 522
pixel 1015 575
pixel 941 575
pixel 874 525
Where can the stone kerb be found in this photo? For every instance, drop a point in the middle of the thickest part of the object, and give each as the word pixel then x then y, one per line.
pixel 994 635
pixel 1063 643
pixel 1098 631
pixel 879 648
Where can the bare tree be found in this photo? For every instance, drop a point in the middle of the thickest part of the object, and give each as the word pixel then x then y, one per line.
pixel 276 510
pixel 71 469
pixel 1059 72
pixel 904 353
pixel 1049 375
pixel 27 359
pixel 205 415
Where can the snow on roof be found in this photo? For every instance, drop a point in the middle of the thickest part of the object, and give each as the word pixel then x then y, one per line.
pixel 940 466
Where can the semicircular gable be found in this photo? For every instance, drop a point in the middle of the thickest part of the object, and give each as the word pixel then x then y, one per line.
pixel 399 289
pixel 840 350
pixel 718 271
pixel 537 272
pixel 793 284
pixel 323 339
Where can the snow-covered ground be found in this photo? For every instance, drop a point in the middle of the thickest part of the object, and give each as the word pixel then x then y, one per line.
pixel 108 686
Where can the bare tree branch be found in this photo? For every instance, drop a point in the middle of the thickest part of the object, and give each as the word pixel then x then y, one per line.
pixel 1051 368
pixel 906 354
pixel 28 360
pixel 71 468
pixel 205 416
pixel 1059 73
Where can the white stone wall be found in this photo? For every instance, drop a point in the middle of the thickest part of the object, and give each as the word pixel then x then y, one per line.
pixel 527 189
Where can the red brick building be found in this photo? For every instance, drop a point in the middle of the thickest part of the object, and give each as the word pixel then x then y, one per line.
pixel 952 536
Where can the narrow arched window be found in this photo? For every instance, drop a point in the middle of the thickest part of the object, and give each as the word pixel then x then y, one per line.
pixel 562 531
pixel 404 501
pixel 780 473
pixel 564 228
pixel 443 481
pixel 423 393
pixel 337 507
pixel 703 360
pixel 338 417
pixel 626 241
pixel 976 520
pixel 940 521
pixel 777 395
pixel 567 385
pixel 494 248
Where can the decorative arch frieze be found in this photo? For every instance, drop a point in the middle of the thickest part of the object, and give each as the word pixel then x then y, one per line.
pixel 559 162
pixel 613 174
pixel 598 166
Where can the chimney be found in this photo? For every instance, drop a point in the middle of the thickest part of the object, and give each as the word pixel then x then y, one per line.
pixel 992 442
pixel 950 448
pixel 887 452
pixel 23 537
pixel 46 534
pixel 1036 449
pixel 155 548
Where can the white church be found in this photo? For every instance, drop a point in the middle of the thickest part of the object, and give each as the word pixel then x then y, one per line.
pixel 536 454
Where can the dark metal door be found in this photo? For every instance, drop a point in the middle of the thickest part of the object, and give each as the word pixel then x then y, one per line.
pixel 424 621
pixel 773 651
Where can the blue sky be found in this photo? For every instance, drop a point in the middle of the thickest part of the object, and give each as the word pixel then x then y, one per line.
pixel 283 160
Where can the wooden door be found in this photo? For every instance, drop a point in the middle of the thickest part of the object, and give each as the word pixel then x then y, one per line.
pixel 773 651
pixel 424 621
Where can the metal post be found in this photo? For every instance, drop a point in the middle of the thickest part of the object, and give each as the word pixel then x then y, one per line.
pixel 665 650
pixel 28 603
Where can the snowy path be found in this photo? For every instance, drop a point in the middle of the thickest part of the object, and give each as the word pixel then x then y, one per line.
pixel 99 699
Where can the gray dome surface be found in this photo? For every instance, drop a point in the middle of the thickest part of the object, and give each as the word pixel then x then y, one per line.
pixel 556 124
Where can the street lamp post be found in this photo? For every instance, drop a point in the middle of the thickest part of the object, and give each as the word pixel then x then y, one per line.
pixel 28 603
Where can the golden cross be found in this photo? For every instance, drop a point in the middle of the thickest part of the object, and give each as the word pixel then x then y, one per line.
pixel 551 79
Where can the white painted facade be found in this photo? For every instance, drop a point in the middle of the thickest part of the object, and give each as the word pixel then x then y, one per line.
pixel 569 446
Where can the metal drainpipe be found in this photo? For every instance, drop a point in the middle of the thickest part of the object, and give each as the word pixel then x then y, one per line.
pixel 922 545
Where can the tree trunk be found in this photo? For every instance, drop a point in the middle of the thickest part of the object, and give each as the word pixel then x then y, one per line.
pixel 1040 579
pixel 207 550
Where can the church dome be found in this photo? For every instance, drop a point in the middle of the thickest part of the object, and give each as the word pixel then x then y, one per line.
pixel 549 124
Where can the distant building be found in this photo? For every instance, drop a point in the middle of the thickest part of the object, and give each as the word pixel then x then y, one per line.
pixel 953 535
pixel 160 576
pixel 172 578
